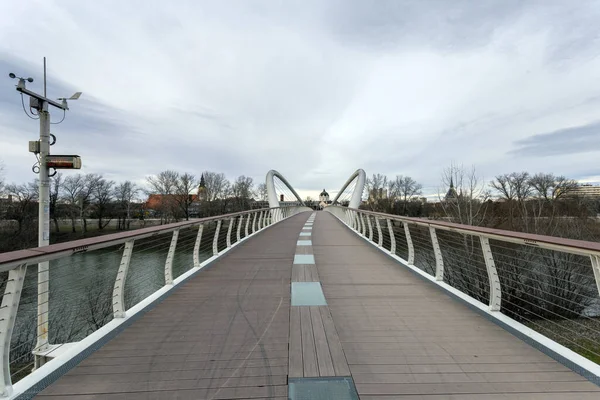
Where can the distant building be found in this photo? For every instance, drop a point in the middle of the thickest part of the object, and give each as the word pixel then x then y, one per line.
pixel 451 195
pixel 586 190
pixel 202 189
pixel 324 197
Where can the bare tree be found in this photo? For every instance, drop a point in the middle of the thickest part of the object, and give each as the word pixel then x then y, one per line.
pixel 23 207
pixel 71 189
pixel 103 195
pixel 55 190
pixel 405 188
pixel 470 205
pixel 217 185
pixel 125 193
pixel 2 182
pixel 547 190
pixel 243 191
pixel 185 184
pixel 78 192
pixel 165 185
pixel 377 187
pixel 515 189
pixel 261 191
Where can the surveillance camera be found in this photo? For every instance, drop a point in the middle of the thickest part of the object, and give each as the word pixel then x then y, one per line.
pixel 12 76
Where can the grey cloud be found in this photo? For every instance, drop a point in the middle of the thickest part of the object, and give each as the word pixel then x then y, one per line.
pixel 450 25
pixel 580 139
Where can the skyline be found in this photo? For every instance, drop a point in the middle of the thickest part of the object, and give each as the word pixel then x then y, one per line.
pixel 312 90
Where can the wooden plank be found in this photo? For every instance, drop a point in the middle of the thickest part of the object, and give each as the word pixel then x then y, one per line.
pixel 297 271
pixel 296 369
pixel 309 356
pixel 313 275
pixel 340 365
pixel 321 346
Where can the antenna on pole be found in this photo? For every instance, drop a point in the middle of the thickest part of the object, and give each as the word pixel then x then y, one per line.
pixel 44 76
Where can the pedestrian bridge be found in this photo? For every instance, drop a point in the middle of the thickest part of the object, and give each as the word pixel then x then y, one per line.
pixel 291 303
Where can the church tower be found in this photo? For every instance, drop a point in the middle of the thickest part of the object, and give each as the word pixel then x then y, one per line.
pixel 202 189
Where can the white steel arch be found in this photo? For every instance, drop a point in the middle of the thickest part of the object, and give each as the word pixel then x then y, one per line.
pixel 356 198
pixel 272 194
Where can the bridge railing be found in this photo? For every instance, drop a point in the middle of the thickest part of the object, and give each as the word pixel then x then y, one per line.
pixel 532 283
pixel 84 290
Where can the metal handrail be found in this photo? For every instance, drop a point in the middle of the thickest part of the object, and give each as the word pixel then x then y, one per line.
pixel 478 270
pixel 11 259
pixel 16 263
pixel 572 246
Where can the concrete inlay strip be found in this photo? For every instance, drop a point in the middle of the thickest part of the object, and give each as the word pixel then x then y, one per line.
pixel 307 294
pixel 338 388
pixel 304 259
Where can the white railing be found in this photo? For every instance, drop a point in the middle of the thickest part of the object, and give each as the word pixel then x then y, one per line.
pixel 94 285
pixel 539 286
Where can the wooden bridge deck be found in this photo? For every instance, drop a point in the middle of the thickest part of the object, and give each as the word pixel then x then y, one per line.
pixel 226 333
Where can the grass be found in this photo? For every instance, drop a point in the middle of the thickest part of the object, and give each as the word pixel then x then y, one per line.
pixel 580 335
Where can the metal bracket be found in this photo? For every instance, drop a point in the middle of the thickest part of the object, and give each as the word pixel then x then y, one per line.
pixel 229 228
pixel 439 260
pixel 119 288
pixel 392 237
pixel 8 314
pixel 197 246
pixel 238 235
pixel 216 239
pixel 409 242
pixel 596 268
pixel 170 257
pixel 495 289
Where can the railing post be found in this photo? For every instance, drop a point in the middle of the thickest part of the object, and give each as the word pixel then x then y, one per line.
pixel 379 235
pixel 392 237
pixel 363 225
pixel 216 239
pixel 119 288
pixel 8 314
pixel 197 246
pixel 495 289
pixel 439 260
pixel 254 222
pixel 42 311
pixel 409 242
pixel 596 269
pixel 229 229
pixel 170 257
pixel 370 227
pixel 261 221
pixel 238 235
pixel 247 226
pixel 356 222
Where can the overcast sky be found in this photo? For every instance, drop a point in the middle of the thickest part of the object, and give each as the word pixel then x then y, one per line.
pixel 313 89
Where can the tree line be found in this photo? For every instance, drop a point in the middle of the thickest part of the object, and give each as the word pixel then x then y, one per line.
pixel 77 199
pixel 537 283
